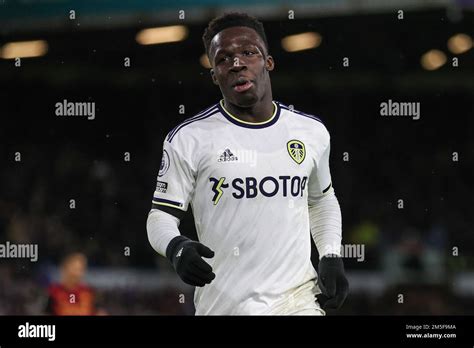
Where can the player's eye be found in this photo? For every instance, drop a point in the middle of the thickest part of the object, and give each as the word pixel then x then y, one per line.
pixel 223 59
pixel 248 53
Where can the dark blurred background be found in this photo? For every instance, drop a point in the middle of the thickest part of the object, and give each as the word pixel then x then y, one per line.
pixel 405 51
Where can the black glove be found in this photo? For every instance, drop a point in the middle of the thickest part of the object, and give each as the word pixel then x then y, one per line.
pixel 186 257
pixel 332 282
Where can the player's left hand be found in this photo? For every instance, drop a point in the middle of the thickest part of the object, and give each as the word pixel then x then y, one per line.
pixel 332 281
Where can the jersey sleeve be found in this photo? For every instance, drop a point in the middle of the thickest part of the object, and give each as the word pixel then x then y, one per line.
pixel 176 177
pixel 319 182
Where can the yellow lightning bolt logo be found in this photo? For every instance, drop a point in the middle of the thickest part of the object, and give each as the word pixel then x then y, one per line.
pixel 217 188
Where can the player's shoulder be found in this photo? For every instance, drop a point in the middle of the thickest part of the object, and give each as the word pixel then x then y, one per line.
pixel 192 122
pixel 300 115
pixel 54 288
pixel 295 116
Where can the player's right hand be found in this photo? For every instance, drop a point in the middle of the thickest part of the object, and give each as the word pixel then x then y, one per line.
pixel 186 257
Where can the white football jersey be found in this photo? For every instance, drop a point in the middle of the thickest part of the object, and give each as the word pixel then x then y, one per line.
pixel 249 185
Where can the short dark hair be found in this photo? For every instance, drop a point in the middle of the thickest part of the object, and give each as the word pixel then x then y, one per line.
pixel 232 19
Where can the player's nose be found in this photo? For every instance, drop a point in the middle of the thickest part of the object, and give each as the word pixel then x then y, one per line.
pixel 238 66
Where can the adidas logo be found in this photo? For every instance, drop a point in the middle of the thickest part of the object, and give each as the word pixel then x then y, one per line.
pixel 227 156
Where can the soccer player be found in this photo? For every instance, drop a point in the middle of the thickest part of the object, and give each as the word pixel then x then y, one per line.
pixel 71 296
pixel 256 174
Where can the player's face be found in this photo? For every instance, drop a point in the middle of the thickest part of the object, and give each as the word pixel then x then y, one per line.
pixel 241 65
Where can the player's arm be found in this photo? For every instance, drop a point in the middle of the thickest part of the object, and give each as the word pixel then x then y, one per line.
pixel 326 230
pixel 175 186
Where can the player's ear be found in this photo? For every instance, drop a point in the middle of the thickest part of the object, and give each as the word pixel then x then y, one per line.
pixel 269 63
pixel 213 76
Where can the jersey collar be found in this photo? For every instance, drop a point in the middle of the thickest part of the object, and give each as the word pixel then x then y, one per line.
pixel 238 122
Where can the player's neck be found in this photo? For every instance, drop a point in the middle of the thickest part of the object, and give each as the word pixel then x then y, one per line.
pixel 260 112
pixel 70 284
